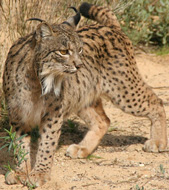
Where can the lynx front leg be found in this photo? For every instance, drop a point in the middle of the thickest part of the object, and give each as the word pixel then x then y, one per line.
pixel 98 124
pixel 50 133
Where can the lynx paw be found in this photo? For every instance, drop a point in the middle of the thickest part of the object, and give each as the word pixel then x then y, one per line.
pixel 155 146
pixel 77 151
pixel 15 177
pixel 37 179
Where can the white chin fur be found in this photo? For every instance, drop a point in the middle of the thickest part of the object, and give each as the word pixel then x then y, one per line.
pixel 51 82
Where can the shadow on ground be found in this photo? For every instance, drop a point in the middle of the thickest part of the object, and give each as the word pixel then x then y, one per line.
pixel 73 133
pixel 76 133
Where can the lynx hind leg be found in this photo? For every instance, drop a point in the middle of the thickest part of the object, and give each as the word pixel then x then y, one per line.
pixel 152 107
pixel 23 165
pixel 142 101
pixel 158 133
pixel 98 124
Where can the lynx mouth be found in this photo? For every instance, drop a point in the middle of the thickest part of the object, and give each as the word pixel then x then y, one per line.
pixel 71 71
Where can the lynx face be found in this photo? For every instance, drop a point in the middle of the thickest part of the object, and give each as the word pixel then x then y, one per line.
pixel 57 52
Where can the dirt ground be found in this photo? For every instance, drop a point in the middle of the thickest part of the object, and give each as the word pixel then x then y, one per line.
pixel 119 163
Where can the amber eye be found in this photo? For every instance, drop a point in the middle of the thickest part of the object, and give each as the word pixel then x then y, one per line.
pixel 64 52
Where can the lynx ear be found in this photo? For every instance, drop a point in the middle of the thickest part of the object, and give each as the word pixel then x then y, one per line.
pixel 43 30
pixel 74 20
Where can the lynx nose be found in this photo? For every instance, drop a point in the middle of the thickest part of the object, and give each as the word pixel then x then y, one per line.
pixel 78 64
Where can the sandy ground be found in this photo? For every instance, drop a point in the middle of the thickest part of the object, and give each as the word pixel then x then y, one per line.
pixel 119 163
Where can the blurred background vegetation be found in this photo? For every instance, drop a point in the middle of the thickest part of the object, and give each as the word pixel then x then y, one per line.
pixel 147 21
pixel 144 21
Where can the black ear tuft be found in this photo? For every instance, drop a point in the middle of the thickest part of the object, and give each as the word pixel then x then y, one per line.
pixel 76 17
pixel 36 19
pixel 74 8
pixel 74 20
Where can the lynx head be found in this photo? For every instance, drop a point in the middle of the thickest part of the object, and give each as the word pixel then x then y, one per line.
pixel 57 49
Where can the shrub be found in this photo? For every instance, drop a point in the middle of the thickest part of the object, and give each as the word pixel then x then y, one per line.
pixel 147 21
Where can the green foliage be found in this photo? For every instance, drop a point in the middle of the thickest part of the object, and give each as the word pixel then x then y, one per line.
pixel 91 157
pixel 9 169
pixel 14 144
pixel 147 21
pixel 72 126
pixel 164 50
pixel 31 186
pixel 139 188
pixel 162 170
